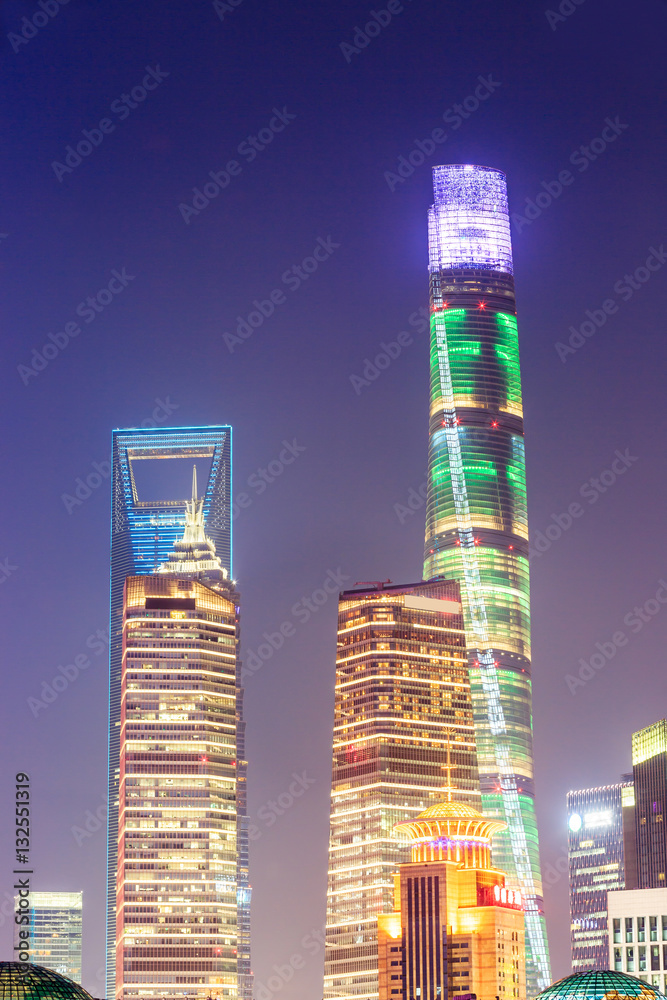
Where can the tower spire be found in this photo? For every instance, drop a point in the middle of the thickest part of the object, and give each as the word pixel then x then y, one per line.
pixel 194 483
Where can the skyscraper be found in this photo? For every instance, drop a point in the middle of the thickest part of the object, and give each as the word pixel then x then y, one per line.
pixel 649 770
pixel 457 929
pixel 175 715
pixel 476 519
pixel 402 704
pixel 596 859
pixel 55 929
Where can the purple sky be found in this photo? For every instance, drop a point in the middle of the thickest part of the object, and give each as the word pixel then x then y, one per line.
pixel 157 350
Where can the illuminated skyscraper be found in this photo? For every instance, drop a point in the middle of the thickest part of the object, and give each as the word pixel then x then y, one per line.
pixel 55 929
pixel 596 859
pixel 457 929
pixel 178 852
pixel 402 704
pixel 649 770
pixel 476 520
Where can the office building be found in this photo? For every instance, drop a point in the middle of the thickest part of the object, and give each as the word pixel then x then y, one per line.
pixel 596 863
pixel 649 770
pixel 55 930
pixel 178 853
pixel 638 934
pixel 457 929
pixel 476 518
pixel 402 705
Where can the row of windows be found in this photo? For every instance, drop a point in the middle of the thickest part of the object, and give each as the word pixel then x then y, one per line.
pixel 655 925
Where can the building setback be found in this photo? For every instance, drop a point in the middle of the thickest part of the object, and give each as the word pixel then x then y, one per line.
pixel 476 517
pixel 402 704
pixel 55 932
pixel 596 862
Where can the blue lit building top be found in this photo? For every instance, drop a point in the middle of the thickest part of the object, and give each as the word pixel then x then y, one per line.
pixel 469 225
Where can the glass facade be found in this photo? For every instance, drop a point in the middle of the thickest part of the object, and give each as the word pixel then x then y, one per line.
pixel 159 541
pixel 476 517
pixel 596 866
pixel 32 982
pixel 600 985
pixel 55 928
pixel 649 769
pixel 403 720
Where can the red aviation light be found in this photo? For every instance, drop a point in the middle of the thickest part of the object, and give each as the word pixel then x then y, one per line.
pixel 494 423
pixel 482 305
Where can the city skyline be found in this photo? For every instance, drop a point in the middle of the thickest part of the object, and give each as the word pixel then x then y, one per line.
pixel 290 305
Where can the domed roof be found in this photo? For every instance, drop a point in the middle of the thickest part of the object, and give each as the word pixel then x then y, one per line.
pixel 450 810
pixel 33 982
pixel 451 821
pixel 599 985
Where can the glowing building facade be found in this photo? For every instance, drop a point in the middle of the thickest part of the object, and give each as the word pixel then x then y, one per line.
pixel 457 929
pixel 649 770
pixel 402 706
pixel 178 842
pixel 596 861
pixel 55 932
pixel 476 521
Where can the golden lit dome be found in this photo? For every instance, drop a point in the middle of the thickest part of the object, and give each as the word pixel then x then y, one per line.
pixel 446 810
pixel 450 821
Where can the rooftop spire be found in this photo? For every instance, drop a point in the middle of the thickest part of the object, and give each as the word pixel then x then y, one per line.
pixel 194 555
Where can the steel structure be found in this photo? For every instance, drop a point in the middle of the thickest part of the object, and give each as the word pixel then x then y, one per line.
pixel 476 520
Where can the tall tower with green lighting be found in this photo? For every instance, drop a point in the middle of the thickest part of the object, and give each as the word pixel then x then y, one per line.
pixel 476 519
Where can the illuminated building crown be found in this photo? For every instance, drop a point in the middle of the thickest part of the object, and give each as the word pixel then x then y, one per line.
pixel 452 831
pixel 194 554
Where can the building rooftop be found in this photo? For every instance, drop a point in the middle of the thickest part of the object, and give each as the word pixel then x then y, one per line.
pixel 599 985
pixel 451 821
pixel 33 982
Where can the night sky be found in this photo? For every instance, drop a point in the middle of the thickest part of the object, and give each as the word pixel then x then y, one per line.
pixel 152 346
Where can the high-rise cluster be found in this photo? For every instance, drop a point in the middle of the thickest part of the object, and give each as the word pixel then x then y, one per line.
pixel 393 719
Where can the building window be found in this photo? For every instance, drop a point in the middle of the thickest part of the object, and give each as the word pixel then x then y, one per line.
pixel 653 928
pixel 629 959
pixel 641 958
pixel 655 958
pixel 664 929
pixel 617 930
pixel 641 928
pixel 628 929
pixel 618 960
